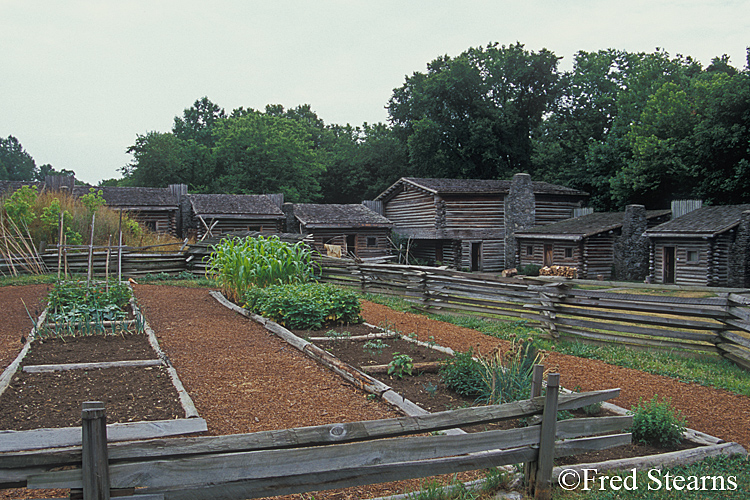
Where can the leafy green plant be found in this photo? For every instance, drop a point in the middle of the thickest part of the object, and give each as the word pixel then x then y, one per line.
pixel 374 346
pixel 656 422
pixel 400 365
pixel 307 306
pixel 239 264
pixel 530 270
pixel 462 374
pixel 337 335
pixel 93 201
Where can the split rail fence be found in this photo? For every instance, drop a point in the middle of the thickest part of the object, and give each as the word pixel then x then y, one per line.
pixel 318 458
pixel 716 325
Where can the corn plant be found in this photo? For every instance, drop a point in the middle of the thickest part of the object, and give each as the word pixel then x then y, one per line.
pixel 239 264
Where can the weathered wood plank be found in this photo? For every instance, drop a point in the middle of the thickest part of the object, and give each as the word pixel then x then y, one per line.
pixel 71 436
pixel 91 366
pixel 651 332
pixel 621 339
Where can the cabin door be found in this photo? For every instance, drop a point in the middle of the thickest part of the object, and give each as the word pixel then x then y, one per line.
pixel 548 255
pixel 476 256
pixel 351 244
pixel 669 265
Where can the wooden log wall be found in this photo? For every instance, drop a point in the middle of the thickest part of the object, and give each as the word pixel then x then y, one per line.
pixel 160 221
pixel 462 214
pixel 410 209
pixel 368 242
pixel 717 325
pixel 234 225
pixel 550 210
pixel 597 258
pixel 686 273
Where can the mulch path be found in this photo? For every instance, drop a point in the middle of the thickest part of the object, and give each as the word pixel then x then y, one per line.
pixel 243 379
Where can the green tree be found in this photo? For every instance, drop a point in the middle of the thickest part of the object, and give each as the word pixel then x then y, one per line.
pixel 473 115
pixel 158 160
pixel 257 153
pixel 47 169
pixel 197 122
pixel 15 163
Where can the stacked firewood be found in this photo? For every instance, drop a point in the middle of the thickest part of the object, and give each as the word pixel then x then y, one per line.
pixel 564 271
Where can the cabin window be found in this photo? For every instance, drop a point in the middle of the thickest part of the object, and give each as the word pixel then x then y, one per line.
pixel 568 253
pixel 529 250
pixel 151 224
pixel 372 241
pixel 692 256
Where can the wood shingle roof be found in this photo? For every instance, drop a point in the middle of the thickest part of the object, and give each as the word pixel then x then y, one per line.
pixel 584 226
pixel 708 221
pixel 444 186
pixel 234 205
pixel 319 216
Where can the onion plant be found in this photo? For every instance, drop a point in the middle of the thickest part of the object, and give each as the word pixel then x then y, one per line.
pixel 239 264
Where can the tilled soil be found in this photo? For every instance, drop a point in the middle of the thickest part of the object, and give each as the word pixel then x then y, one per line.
pixel 243 379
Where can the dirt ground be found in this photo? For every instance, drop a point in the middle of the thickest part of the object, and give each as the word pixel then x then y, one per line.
pixel 242 379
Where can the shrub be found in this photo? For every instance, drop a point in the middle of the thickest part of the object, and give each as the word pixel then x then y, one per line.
pixel 462 374
pixel 308 306
pixel 656 422
pixel 239 264
pixel 530 270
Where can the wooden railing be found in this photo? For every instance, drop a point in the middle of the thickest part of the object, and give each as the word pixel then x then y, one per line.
pixel 641 318
pixel 318 458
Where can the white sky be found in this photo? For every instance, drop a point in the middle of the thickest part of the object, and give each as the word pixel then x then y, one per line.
pixel 80 78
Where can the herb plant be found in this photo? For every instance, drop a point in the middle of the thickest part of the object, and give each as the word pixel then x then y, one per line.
pixel 656 422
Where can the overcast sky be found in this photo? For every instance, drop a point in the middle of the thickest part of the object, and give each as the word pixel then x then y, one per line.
pixel 80 78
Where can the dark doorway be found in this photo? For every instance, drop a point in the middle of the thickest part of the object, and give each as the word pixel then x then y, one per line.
pixel 548 255
pixel 351 244
pixel 476 256
pixel 669 265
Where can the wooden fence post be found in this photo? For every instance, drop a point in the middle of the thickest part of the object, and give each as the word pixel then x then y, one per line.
pixel 543 484
pixel 94 463
pixel 530 468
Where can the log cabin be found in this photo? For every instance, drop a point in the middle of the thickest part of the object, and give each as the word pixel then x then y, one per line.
pixel 355 229
pixel 709 246
pixel 215 214
pixel 469 223
pixel 599 245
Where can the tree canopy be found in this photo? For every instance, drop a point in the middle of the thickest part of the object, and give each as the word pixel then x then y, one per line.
pixel 625 127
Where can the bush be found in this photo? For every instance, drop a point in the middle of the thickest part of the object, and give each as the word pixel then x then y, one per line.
pixel 530 270
pixel 462 374
pixel 657 423
pixel 308 306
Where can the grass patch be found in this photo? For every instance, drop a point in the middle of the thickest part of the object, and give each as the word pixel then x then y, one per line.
pixel 28 279
pixel 708 371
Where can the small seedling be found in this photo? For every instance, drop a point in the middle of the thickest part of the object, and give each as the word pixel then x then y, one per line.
pixel 375 346
pixel 430 388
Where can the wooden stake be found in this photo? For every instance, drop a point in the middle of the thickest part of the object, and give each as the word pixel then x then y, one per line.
pixel 91 251
pixel 531 469
pixel 95 462
pixel 543 484
pixel 60 243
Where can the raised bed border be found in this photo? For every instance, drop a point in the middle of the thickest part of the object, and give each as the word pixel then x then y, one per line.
pixel 71 436
pixel 708 445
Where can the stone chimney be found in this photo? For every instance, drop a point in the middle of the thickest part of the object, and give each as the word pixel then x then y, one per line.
pixel 631 250
pixel 520 213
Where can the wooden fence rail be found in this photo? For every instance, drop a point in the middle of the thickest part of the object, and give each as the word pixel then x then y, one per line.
pixel 324 457
pixel 717 325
